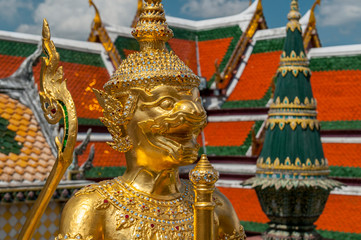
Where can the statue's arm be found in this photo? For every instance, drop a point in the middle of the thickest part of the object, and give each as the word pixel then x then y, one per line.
pixel 80 218
pixel 229 225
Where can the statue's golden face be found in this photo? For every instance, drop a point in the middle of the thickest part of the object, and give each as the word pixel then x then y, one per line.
pixel 165 127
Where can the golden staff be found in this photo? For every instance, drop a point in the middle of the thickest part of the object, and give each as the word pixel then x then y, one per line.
pixel 56 103
pixel 203 177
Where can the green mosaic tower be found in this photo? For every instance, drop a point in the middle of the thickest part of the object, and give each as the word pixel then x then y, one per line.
pixel 291 178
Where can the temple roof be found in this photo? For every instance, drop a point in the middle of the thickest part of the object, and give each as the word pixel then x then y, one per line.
pixel 25 154
pixel 338 68
pixel 335 81
pixel 241 19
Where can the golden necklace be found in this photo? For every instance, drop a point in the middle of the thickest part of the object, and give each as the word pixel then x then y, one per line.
pixel 150 218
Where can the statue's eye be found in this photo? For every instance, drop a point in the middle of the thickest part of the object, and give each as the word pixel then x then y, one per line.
pixel 167 104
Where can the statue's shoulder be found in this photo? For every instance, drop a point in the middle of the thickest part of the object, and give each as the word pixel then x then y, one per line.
pixel 89 190
pixel 229 225
pixel 80 217
pixel 96 196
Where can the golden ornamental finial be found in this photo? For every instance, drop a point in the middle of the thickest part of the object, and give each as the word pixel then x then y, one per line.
pixel 294 17
pixel 317 2
pixel 137 14
pixel 152 30
pixel 294 13
pixel 97 21
pixel 57 104
pixel 203 177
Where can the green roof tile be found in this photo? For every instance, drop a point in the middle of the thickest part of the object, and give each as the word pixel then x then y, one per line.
pixel 104 172
pixel 8 144
pixel 205 35
pixel 269 45
pixel 22 49
pixel 340 125
pixel 249 103
pixel 126 43
pixel 90 121
pixel 78 57
pixel 336 63
pixel 262 227
pixel 347 172
pixel 18 49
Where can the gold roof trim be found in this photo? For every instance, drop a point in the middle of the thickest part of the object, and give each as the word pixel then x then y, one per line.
pixel 98 33
pixel 310 36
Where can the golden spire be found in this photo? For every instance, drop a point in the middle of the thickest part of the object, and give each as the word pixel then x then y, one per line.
pixel 97 21
pixel 294 13
pixel 153 65
pixel 294 16
pixel 99 34
pixel 310 36
pixel 152 30
pixel 137 14
pixel 204 177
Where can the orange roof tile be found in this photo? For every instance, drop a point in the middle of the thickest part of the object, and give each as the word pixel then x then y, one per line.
pixel 186 51
pixel 342 213
pixel 25 165
pixel 80 81
pixel 256 77
pixel 338 94
pixel 9 64
pixel 246 204
pixel 104 156
pixel 209 52
pixel 227 133
pixel 127 51
pixel 343 154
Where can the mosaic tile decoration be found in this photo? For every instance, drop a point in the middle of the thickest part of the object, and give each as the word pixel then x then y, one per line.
pixel 24 152
pixel 12 217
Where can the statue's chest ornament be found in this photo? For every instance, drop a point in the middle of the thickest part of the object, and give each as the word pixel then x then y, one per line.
pixel 147 217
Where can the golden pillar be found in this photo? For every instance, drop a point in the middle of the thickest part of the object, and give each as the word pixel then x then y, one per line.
pixel 204 177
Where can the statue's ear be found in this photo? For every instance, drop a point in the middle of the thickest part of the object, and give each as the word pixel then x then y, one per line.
pixel 116 117
pixel 99 95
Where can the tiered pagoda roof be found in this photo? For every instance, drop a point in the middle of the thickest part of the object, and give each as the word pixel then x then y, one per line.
pixel 229 132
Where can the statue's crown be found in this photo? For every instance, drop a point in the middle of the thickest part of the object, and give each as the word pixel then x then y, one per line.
pixel 153 65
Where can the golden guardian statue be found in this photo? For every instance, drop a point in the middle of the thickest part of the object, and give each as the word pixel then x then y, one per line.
pixel 153 110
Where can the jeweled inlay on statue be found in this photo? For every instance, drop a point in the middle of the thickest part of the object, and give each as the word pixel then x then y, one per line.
pixel 153 111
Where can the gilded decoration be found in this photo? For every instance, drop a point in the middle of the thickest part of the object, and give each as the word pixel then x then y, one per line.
pixel 296 164
pixel 296 104
pixel 144 215
pixel 203 177
pixel 294 17
pixel 57 104
pixel 73 237
pixel 293 123
pixel 150 68
pixel 293 113
pixel 236 235
pixel 291 179
pixel 153 110
pixel 294 64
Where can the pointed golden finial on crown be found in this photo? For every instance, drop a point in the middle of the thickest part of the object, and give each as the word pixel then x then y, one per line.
pixel 294 16
pixel 153 65
pixel 147 69
pixel 152 30
pixel 294 13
